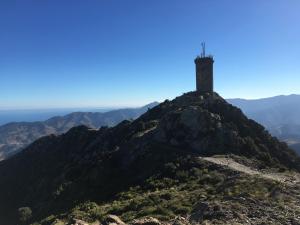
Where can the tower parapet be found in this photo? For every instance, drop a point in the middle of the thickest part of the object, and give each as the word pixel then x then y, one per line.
pixel 204 72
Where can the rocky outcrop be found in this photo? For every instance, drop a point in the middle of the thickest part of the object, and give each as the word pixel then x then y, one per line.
pixel 113 220
pixel 206 124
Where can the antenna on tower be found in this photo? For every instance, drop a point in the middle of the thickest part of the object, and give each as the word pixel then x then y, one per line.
pixel 203 49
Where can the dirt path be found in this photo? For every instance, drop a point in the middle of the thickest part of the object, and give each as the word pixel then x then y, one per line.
pixel 291 179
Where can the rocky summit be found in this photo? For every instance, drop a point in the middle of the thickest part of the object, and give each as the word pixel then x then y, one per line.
pixel 193 160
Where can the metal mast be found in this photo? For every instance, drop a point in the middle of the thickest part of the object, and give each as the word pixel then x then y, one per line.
pixel 203 49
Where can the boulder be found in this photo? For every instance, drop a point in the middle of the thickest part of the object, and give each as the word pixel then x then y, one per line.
pixel 146 221
pixel 113 220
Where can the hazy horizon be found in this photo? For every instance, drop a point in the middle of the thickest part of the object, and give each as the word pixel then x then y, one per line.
pixel 112 107
pixel 41 114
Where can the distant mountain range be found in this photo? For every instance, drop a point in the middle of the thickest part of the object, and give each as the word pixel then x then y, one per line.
pixel 280 115
pixel 15 136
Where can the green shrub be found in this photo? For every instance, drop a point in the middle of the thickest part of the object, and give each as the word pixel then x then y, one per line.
pixel 24 213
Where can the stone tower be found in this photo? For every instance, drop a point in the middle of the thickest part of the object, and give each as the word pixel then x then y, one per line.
pixel 204 72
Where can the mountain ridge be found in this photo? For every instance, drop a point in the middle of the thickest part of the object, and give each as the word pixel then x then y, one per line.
pixel 15 136
pixel 158 151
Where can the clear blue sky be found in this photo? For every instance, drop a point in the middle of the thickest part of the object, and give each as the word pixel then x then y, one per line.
pixel 88 53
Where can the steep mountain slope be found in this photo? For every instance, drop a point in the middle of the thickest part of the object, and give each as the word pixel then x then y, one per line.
pixel 296 147
pixel 154 166
pixel 15 136
pixel 280 115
